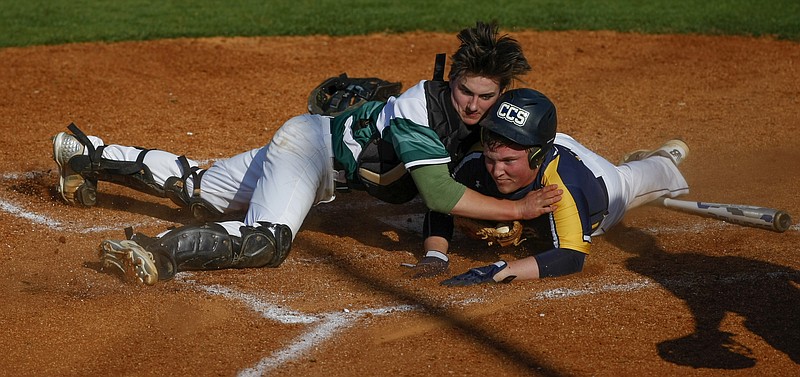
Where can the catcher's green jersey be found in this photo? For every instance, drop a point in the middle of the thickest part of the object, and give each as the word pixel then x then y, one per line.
pixel 418 128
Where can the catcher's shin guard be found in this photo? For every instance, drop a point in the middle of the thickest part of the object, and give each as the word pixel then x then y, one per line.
pixel 133 174
pixel 210 247
pixel 92 167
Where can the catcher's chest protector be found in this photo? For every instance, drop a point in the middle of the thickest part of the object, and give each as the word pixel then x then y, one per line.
pixel 381 172
pixel 443 118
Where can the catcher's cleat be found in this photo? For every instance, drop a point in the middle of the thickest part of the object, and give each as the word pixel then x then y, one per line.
pixel 675 149
pixel 71 185
pixel 136 263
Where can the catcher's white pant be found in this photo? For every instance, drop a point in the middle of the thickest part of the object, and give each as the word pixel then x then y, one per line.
pixel 631 184
pixel 279 182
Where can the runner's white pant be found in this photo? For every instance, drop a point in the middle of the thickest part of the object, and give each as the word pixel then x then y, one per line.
pixel 278 183
pixel 631 184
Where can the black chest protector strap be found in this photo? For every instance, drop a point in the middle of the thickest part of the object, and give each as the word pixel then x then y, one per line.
pixel 81 137
pixel 438 67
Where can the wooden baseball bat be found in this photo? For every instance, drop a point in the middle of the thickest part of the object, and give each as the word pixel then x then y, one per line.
pixel 759 217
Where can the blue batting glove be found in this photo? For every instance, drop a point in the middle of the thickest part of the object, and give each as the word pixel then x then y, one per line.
pixel 479 275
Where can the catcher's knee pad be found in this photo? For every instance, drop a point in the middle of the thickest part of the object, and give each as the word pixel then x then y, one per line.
pixel 202 210
pixel 175 190
pixel 265 245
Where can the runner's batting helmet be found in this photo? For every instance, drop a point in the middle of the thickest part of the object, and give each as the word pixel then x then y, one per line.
pixel 526 117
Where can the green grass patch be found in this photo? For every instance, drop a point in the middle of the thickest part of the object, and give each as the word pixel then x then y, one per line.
pixel 37 22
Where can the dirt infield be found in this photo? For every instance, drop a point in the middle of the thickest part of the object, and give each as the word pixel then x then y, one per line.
pixel 665 293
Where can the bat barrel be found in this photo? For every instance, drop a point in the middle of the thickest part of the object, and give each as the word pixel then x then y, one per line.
pixel 759 217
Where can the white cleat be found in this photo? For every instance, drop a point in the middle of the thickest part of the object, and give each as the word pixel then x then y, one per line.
pixel 74 189
pixel 136 263
pixel 675 149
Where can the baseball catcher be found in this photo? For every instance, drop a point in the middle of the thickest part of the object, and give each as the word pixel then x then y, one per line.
pixel 395 149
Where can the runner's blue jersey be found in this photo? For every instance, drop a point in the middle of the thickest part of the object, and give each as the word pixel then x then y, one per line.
pixel 583 204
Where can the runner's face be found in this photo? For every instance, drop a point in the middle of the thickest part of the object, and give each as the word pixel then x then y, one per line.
pixel 509 168
pixel 473 96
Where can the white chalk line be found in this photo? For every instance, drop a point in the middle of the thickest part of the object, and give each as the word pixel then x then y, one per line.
pixel 266 309
pixel 20 211
pixel 25 175
pixel 644 283
pixel 35 218
pixel 326 325
pixel 559 293
pixel 330 324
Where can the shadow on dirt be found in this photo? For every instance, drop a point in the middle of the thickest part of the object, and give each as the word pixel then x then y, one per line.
pixel 361 217
pixel 398 227
pixel 495 343
pixel 711 286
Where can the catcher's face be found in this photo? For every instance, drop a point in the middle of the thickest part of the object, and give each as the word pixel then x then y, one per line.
pixel 473 96
pixel 509 167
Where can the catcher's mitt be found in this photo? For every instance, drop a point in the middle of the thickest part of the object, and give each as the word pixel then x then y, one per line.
pixel 337 94
pixel 503 234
